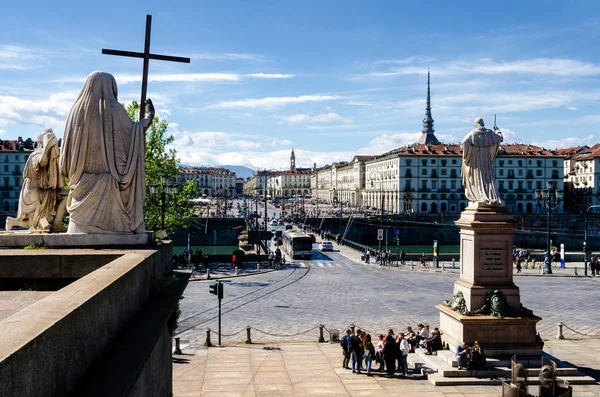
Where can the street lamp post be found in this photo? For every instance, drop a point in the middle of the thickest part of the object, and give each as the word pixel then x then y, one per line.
pixel 380 194
pixel 585 236
pixel 163 194
pixel 550 199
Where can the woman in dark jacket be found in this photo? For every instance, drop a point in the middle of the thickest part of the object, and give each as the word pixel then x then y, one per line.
pixel 390 350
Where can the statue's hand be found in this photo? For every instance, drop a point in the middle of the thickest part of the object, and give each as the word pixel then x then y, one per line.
pixel 150 105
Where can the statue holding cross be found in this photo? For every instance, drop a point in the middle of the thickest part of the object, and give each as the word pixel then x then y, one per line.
pixel 103 153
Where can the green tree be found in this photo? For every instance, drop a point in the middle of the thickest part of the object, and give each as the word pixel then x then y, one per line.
pixel 162 161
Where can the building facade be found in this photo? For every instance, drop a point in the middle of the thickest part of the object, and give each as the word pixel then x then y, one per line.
pixel 582 178
pixel 211 181
pixel 13 156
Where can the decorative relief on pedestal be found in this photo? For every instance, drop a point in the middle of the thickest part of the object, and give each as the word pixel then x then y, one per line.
pixel 495 305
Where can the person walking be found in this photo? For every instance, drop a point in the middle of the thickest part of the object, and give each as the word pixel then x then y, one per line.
pixel 402 257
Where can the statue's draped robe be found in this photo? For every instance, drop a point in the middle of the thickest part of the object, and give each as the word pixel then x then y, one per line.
pixel 42 178
pixel 480 148
pixel 102 156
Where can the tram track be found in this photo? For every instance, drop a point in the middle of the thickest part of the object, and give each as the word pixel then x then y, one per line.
pixel 303 273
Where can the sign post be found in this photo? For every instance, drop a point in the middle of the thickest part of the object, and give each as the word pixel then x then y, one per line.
pixel 435 253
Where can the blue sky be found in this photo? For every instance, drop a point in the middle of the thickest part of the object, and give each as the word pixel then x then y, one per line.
pixel 328 78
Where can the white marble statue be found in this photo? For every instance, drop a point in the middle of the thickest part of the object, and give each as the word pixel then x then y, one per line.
pixel 42 194
pixel 480 148
pixel 102 156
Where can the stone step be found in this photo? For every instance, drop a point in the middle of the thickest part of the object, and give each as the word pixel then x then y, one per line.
pixel 450 358
pixel 438 380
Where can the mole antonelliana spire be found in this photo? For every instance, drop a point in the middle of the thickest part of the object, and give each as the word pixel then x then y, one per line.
pixel 428 131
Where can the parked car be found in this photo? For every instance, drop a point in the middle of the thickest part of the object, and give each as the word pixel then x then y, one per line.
pixel 281 223
pixel 274 223
pixel 325 246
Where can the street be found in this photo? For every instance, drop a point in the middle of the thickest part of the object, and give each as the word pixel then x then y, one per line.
pixel 335 291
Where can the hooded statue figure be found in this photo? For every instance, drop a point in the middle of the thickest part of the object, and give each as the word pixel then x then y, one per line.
pixel 103 157
pixel 42 191
pixel 480 148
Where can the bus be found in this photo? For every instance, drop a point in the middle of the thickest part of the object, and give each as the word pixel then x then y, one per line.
pixel 297 244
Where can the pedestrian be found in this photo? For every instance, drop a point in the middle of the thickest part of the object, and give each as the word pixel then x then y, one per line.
pixel 389 354
pixel 402 257
pixel 379 354
pixel 356 347
pixel 271 258
pixel 404 349
pixel 345 343
pixel 518 265
pixel 369 353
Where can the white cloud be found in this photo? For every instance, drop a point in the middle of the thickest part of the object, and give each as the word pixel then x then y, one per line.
pixel 49 112
pixel 128 78
pixel 270 102
pixel 2 131
pixel 19 58
pixel 319 118
pixel 270 75
pixel 510 136
pixel 229 57
pixel 566 142
pixel 488 66
pixel 275 159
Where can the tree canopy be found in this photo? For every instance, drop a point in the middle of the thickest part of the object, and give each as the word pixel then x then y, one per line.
pixel 162 161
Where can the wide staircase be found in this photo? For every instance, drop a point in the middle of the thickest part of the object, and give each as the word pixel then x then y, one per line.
pixel 441 369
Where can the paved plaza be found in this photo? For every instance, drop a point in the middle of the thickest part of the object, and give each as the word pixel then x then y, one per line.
pixel 285 307
pixel 334 290
pixel 313 369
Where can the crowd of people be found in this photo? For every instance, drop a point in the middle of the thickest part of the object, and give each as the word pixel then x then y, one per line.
pixel 391 352
pixel 383 257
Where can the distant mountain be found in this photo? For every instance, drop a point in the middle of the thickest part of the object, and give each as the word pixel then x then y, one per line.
pixel 240 170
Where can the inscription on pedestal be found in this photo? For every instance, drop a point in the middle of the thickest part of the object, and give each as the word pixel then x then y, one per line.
pixel 493 257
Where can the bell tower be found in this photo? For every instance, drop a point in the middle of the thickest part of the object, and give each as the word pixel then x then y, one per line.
pixel 292 161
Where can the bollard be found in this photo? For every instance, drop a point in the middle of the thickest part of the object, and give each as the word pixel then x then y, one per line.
pixel 248 336
pixel 453 262
pixel 207 273
pixel 236 270
pixel 207 343
pixel 352 326
pixel 177 346
pixel 258 266
pixel 575 272
pixel 412 266
pixel 321 338
pixel 443 268
pixel 559 334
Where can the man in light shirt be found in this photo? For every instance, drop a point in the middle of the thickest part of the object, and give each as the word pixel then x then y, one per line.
pixel 422 334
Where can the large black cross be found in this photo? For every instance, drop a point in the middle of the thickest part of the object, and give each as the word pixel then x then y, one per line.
pixel 147 56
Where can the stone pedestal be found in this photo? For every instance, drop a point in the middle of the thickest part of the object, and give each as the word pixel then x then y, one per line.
pixel 486 242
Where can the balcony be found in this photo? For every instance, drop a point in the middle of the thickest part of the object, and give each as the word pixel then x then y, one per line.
pixel 510 176
pixel 529 175
pixel 434 174
pixel 408 189
pixel 444 190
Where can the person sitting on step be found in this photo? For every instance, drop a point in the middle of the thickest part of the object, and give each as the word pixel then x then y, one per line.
pixel 463 356
pixel 433 343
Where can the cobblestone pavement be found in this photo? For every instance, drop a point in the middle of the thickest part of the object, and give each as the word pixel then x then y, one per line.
pixel 332 289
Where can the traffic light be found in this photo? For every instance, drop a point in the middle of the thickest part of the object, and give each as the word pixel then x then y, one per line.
pixel 217 289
